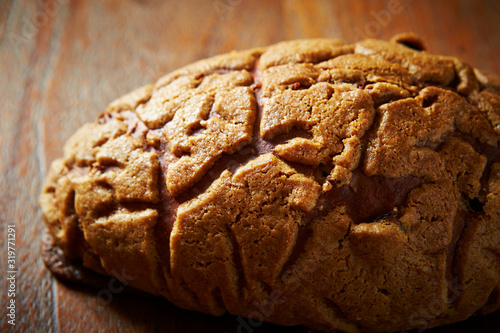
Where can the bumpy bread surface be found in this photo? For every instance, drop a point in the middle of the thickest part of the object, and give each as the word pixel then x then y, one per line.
pixel 351 187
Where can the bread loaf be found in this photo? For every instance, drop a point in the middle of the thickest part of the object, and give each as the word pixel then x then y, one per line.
pixel 350 187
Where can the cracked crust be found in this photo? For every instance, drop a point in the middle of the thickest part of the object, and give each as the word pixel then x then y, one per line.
pixel 351 187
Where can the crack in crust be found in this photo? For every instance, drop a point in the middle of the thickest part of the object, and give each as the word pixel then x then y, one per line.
pixel 349 184
pixel 216 119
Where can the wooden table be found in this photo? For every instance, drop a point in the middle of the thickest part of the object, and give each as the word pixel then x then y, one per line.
pixel 62 61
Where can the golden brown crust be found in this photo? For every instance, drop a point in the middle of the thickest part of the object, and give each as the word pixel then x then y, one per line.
pixel 351 187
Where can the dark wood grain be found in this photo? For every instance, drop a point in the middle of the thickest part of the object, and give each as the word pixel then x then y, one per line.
pixel 62 62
